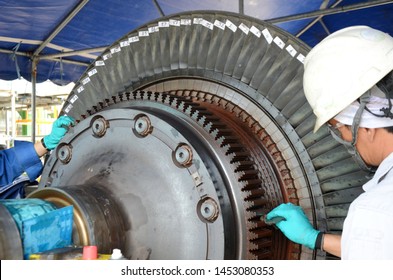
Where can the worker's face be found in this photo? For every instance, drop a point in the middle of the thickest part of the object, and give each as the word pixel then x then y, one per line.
pixel 363 144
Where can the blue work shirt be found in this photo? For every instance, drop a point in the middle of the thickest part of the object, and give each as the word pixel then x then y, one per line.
pixel 17 160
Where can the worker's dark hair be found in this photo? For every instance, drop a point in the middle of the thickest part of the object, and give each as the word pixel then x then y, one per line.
pixel 386 86
pixel 389 129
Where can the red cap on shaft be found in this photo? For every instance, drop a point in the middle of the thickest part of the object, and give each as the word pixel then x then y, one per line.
pixel 89 253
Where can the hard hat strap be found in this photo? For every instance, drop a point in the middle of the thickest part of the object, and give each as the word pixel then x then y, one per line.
pixel 351 145
pixel 386 111
pixel 363 100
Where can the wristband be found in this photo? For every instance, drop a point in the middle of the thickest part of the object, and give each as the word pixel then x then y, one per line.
pixel 319 241
pixel 43 144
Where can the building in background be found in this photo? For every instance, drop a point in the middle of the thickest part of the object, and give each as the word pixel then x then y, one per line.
pixel 16 111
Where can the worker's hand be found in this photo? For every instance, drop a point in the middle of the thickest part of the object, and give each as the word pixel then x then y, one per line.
pixel 58 131
pixel 295 225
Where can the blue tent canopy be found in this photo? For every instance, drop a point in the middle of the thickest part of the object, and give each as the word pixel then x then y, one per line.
pixel 61 38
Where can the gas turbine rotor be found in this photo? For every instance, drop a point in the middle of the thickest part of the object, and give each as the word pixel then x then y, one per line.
pixel 194 126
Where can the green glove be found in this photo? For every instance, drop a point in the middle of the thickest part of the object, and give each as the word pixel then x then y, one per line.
pixel 295 226
pixel 58 131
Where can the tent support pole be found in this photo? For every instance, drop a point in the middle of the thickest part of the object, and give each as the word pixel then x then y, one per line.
pixel 330 11
pixel 241 7
pixel 33 97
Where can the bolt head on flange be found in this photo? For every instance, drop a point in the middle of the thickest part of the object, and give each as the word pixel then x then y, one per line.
pixel 99 126
pixel 142 126
pixel 183 155
pixel 208 210
pixel 64 153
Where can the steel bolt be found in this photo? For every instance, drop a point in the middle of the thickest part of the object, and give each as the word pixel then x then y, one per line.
pixel 143 126
pixel 183 155
pixel 208 209
pixel 64 153
pixel 99 127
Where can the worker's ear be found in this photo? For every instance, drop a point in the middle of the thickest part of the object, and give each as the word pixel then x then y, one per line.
pixel 370 133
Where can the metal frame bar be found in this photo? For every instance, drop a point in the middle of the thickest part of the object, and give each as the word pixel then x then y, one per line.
pixel 319 18
pixel 33 98
pixel 36 42
pixel 17 53
pixel 71 53
pixel 160 11
pixel 70 61
pixel 241 7
pixel 60 27
pixel 330 11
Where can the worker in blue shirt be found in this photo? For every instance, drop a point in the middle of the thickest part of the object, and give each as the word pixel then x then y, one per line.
pixel 25 157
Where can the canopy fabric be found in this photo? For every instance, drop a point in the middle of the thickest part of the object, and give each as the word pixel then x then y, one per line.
pixel 63 37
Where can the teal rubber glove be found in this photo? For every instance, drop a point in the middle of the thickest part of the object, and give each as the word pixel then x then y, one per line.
pixel 58 131
pixel 295 226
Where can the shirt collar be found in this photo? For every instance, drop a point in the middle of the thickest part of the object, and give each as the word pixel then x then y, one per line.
pixel 383 169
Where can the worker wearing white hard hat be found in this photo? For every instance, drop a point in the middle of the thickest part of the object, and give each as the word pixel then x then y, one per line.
pixel 348 82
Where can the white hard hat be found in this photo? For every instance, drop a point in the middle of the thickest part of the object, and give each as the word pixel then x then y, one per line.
pixel 343 66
